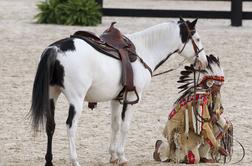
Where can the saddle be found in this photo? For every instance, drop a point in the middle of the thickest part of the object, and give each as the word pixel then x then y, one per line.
pixel 114 44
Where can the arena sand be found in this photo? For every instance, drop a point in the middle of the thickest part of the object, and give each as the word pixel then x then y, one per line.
pixel 22 42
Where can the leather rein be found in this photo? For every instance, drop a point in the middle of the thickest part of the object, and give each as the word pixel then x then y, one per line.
pixel 195 48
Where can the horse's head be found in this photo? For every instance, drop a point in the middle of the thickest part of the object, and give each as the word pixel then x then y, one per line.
pixel 210 79
pixel 191 47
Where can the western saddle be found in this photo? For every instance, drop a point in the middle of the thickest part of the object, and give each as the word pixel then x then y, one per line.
pixel 118 46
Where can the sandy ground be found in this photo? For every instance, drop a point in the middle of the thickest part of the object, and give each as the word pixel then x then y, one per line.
pixel 22 42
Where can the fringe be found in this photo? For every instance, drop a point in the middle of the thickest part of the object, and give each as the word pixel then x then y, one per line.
pixel 186 123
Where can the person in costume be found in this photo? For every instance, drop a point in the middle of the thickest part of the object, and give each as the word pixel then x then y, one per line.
pixel 191 127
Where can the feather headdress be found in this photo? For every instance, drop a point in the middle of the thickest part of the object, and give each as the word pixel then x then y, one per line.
pixel 213 71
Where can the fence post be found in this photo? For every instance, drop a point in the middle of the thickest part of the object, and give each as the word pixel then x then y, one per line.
pixel 236 12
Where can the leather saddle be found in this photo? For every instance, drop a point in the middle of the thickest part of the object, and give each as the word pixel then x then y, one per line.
pixel 114 44
pixel 109 42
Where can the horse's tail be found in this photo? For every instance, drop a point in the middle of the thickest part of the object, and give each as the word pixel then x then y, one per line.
pixel 40 107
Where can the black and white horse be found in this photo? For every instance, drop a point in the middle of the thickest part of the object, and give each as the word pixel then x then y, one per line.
pixel 73 67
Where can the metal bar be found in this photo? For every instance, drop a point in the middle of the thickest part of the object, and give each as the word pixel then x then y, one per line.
pixel 247 15
pixel 165 13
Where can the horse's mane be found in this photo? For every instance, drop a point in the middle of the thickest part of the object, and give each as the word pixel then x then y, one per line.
pixel 187 75
pixel 150 35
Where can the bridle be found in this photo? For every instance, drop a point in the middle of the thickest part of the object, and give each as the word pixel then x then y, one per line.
pixel 189 37
pixel 195 48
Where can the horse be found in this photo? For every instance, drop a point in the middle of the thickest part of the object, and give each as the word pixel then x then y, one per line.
pixel 73 67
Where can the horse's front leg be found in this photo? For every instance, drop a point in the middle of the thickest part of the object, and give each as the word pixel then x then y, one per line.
pixel 123 136
pixel 72 121
pixel 116 110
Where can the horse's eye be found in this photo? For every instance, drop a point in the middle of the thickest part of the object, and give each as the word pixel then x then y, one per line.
pixel 198 39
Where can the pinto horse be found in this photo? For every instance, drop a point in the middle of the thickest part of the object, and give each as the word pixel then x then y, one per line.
pixel 73 67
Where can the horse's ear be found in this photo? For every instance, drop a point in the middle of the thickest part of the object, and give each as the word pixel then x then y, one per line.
pixel 194 23
pixel 181 19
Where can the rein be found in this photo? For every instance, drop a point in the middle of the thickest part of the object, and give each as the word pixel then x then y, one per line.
pixel 167 71
pixel 243 149
pixel 164 60
pixel 195 48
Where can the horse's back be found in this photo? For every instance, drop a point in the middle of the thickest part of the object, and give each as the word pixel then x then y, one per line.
pixel 87 70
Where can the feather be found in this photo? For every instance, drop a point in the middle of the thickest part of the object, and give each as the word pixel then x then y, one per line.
pixel 185 80
pixel 203 71
pixel 185 86
pixel 186 93
pixel 214 59
pixel 190 68
pixel 186 72
pixel 181 90
pixel 183 77
pixel 181 97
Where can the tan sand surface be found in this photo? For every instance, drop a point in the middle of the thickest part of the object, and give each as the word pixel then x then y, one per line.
pixel 22 42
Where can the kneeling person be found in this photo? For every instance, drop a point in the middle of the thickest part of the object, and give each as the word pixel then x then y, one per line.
pixel 190 127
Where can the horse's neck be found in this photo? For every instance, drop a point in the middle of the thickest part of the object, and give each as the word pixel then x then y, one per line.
pixel 155 43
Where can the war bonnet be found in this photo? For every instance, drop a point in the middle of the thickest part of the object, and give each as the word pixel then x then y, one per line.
pixel 213 74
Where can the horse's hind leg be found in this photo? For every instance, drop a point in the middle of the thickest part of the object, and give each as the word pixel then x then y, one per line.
pixel 50 127
pixel 123 136
pixel 72 121
pixel 50 124
pixel 116 110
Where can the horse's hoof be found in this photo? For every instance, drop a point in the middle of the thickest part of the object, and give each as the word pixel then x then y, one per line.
pixel 123 164
pixel 75 163
pixel 48 164
pixel 114 161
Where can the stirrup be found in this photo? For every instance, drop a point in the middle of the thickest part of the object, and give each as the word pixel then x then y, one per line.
pixel 131 102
